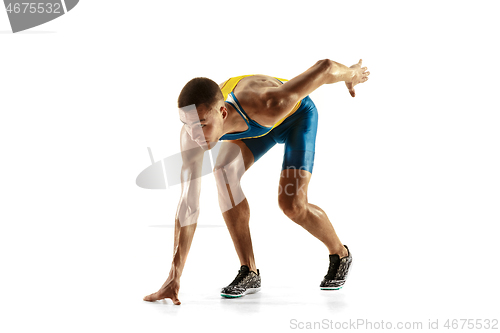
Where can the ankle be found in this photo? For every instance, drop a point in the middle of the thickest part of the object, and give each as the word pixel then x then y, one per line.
pixel 252 267
pixel 340 251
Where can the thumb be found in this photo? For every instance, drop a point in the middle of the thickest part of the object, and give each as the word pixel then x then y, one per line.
pixel 352 92
pixel 360 60
pixel 176 300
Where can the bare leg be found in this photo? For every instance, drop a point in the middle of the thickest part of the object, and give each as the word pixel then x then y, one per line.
pixel 293 201
pixel 237 222
pixel 234 206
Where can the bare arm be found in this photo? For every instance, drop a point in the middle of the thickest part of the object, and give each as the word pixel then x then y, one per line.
pixel 283 98
pixel 188 208
pixel 186 217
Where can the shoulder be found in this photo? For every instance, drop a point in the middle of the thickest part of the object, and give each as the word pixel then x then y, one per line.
pixel 264 99
pixel 277 101
pixel 258 89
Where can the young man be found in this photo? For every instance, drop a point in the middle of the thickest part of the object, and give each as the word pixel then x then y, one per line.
pixel 251 114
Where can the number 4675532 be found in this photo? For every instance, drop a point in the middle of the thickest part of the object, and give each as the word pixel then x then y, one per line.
pixel 26 7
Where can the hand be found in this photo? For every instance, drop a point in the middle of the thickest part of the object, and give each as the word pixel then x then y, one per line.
pixel 170 289
pixel 359 75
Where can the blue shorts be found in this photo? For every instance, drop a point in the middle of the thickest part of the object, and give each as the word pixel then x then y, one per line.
pixel 297 132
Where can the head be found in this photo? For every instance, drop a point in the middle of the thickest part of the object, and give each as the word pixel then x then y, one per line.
pixel 202 110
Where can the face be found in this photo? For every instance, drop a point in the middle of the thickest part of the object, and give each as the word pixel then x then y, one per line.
pixel 203 124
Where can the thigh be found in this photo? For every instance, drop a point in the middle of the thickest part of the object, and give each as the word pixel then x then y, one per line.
pixel 232 159
pixel 300 140
pixel 232 152
pixel 259 146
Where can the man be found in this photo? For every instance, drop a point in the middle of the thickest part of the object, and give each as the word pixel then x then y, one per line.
pixel 251 114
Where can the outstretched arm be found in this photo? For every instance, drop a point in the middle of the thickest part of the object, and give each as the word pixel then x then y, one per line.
pixel 185 219
pixel 325 71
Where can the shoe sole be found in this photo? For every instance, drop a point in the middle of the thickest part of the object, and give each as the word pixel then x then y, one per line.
pixel 248 291
pixel 331 288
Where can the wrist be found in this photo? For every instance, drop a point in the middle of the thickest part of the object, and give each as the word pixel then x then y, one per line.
pixel 348 75
pixel 340 72
pixel 175 273
pixel 175 270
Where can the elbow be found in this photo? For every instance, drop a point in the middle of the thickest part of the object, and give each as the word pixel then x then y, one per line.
pixel 326 65
pixel 330 71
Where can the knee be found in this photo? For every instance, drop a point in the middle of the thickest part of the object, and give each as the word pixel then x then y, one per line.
pixel 221 181
pixel 227 175
pixel 227 179
pixel 292 207
pixel 231 171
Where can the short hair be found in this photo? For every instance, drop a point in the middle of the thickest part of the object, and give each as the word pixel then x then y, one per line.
pixel 198 91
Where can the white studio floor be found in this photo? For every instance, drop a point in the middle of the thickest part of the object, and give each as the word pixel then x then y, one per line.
pixel 96 281
pixel 396 284
pixel 92 278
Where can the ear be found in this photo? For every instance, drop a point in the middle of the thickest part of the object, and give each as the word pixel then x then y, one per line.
pixel 223 111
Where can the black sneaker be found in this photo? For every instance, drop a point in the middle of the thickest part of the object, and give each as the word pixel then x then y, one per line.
pixel 337 272
pixel 246 282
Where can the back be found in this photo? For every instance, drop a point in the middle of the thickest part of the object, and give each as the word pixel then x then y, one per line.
pixel 248 93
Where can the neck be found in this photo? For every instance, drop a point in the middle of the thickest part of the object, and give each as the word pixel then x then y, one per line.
pixel 234 122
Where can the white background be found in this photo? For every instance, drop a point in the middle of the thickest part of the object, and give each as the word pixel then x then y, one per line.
pixel 407 171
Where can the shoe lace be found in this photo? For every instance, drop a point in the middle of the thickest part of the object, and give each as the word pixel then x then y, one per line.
pixel 332 270
pixel 241 275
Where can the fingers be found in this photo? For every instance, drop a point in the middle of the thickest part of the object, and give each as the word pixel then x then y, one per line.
pixel 156 296
pixel 151 298
pixel 365 75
